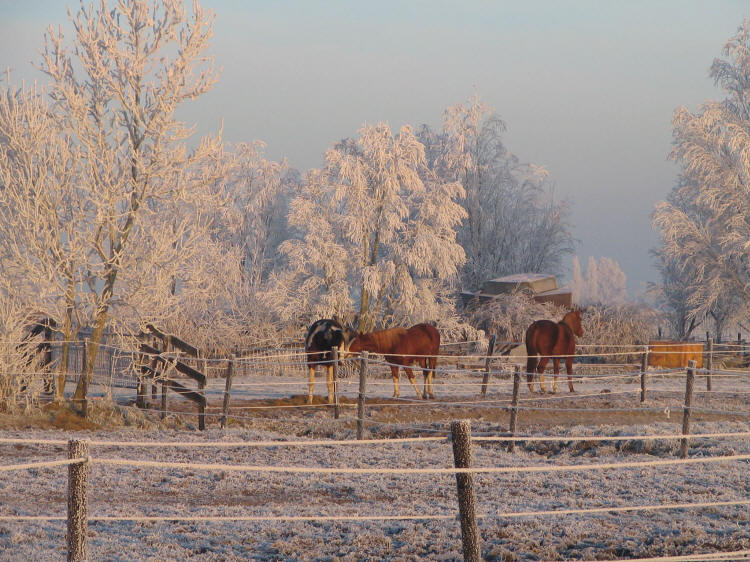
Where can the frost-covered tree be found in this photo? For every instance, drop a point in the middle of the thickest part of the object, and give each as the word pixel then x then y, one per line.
pixel 672 295
pixel 258 194
pixel 509 315
pixel 705 223
pixel 603 283
pixel 605 326
pixel 513 223
pixel 612 282
pixel 43 213
pixel 593 282
pixel 20 379
pixel 147 196
pixel 577 283
pixel 376 234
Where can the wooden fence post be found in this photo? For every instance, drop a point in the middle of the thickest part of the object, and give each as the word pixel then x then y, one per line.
pixel 155 344
pixel 164 384
pixel 361 397
pixel 689 381
pixel 336 405
pixel 78 479
pixel 490 350
pixel 111 364
pixel 514 407
pixel 202 389
pixel 227 392
pixel 709 362
pixel 644 366
pixel 202 406
pixel 85 385
pixel 164 402
pixel 140 391
pixel 467 499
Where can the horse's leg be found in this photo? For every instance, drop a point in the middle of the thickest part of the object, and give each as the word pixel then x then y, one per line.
pixel 531 363
pixel 540 370
pixel 431 364
pixel 569 369
pixel 394 372
pixel 329 370
pixel 310 384
pixel 556 369
pixel 422 362
pixel 413 381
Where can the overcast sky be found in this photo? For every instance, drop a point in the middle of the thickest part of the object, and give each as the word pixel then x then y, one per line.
pixel 586 88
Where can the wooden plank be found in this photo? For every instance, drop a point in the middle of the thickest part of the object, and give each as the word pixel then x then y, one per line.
pixel 185 392
pixel 174 340
pixel 147 371
pixel 179 366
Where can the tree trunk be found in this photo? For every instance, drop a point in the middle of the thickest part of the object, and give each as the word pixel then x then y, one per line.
pixel 82 389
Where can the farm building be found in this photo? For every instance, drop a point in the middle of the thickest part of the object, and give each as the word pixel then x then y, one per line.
pixel 542 287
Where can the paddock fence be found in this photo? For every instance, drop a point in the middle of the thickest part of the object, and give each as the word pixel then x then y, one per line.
pixel 269 381
pixel 469 510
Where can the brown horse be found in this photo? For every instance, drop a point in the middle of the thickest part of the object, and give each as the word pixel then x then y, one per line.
pixel 552 340
pixel 401 347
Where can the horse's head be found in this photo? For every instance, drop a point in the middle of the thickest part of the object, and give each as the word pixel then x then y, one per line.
pixel 349 335
pixel 573 320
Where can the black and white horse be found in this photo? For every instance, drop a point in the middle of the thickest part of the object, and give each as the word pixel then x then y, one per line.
pixel 39 324
pixel 323 336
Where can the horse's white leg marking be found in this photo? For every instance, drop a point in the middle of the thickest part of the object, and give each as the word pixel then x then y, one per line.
pixel 433 372
pixel 310 384
pixel 413 381
pixel 329 371
pixel 569 369
pixel 530 371
pixel 556 368
pixel 540 370
pixel 394 372
pixel 429 375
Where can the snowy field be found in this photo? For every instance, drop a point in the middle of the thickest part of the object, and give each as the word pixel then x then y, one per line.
pixel 186 493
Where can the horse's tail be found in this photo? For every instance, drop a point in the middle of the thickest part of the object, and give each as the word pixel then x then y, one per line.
pixel 531 364
pixel 532 359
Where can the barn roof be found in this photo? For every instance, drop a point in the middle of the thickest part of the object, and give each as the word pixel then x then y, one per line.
pixel 541 286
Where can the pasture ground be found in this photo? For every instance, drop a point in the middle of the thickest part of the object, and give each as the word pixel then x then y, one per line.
pixel 188 492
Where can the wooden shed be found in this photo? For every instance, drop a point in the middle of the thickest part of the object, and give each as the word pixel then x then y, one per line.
pixel 542 287
pixel 674 355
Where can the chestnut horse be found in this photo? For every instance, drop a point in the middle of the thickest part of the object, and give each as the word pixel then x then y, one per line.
pixel 404 347
pixel 553 340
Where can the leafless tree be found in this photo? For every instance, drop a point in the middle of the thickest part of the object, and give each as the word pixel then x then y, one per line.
pixel 116 91
pixel 705 222
pixel 513 223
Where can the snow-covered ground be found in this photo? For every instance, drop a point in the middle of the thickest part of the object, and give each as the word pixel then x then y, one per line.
pixel 128 491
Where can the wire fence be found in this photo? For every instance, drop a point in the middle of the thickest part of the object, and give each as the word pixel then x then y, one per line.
pixel 267 380
pixel 265 383
pixel 81 459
